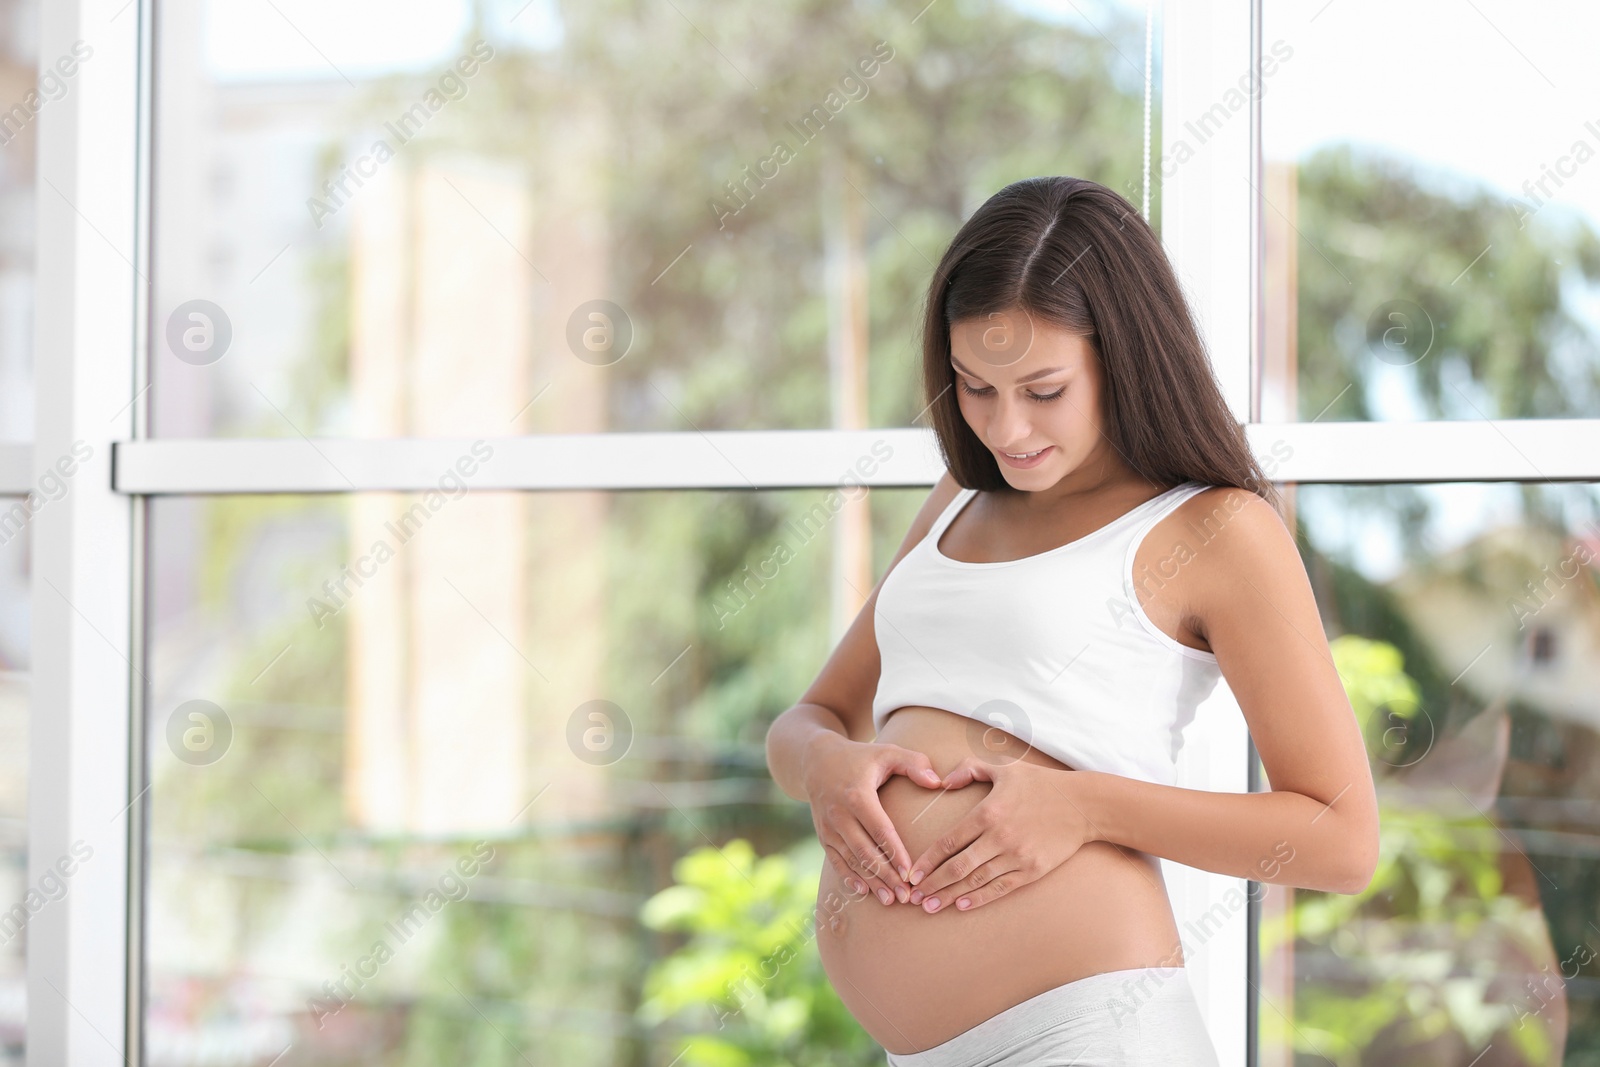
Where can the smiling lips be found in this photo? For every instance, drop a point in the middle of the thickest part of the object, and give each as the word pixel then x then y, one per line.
pixel 1025 460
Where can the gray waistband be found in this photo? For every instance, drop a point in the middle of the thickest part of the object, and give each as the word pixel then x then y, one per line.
pixel 1114 993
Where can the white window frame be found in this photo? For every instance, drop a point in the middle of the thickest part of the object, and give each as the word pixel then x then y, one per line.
pixel 88 770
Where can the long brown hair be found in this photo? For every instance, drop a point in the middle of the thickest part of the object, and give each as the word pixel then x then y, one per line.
pixel 1077 255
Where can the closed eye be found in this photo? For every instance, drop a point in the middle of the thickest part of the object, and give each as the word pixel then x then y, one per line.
pixel 989 391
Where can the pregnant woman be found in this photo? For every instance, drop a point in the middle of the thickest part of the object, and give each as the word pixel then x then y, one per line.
pixel 990 752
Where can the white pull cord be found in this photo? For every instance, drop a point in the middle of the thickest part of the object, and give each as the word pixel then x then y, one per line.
pixel 1149 37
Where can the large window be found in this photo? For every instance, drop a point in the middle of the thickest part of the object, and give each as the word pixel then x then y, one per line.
pixel 565 692
pixel 488 384
pixel 1430 234
pixel 1465 621
pixel 1430 231
pixel 526 217
pixel 421 765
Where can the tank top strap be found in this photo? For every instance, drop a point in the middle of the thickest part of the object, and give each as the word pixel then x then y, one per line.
pixel 948 515
pixel 1164 505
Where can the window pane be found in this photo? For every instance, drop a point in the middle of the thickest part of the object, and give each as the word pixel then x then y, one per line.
pixel 1465 623
pixel 452 219
pixel 1431 201
pixel 420 761
pixel 16 907
pixel 22 97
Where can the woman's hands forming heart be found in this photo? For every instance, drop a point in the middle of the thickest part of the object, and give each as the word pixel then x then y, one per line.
pixel 1027 826
pixel 841 778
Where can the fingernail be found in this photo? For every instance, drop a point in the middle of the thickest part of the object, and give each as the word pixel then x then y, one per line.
pixel 963 903
pixel 883 895
pixel 931 905
pixel 900 893
pixel 916 896
pixel 857 888
pixel 916 876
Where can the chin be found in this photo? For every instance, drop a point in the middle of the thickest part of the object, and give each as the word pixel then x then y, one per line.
pixel 1035 479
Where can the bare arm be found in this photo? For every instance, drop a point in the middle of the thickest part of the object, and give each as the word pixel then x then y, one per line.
pixel 1318 826
pixel 1247 592
pixel 839 701
pixel 822 750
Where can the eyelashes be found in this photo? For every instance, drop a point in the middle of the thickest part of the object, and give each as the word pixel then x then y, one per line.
pixel 989 391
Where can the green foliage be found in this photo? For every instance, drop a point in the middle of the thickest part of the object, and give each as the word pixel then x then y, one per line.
pixel 1417 953
pixel 1385 229
pixel 748 981
pixel 1374 680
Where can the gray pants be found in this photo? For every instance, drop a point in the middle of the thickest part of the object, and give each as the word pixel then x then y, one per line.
pixel 1147 1015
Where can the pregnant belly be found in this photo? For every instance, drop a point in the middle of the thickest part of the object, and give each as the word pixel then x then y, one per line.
pixel 914 980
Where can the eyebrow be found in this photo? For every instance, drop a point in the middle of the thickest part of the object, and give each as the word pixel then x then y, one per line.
pixel 1035 376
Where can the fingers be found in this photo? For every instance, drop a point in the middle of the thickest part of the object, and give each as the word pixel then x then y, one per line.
pixel 862 842
pixel 870 864
pixel 916 766
pixel 847 873
pixel 991 880
pixel 968 771
pixel 953 856
pixel 887 837
pixel 970 869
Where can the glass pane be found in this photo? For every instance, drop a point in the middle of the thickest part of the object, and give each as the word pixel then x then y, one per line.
pixel 1431 202
pixel 21 900
pixel 23 94
pixel 422 763
pixel 1465 623
pixel 429 218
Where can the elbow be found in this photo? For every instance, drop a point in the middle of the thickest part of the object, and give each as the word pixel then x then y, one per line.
pixel 1355 883
pixel 1360 865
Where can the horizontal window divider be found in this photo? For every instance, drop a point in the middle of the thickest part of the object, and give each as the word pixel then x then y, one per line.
pixel 1464 450
pixel 732 459
pixel 1520 450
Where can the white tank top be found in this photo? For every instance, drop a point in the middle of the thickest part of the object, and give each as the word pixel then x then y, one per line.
pixel 1053 647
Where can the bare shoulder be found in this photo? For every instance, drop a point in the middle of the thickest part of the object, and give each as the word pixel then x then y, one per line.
pixel 1232 534
pixel 1233 518
pixel 1242 552
pixel 1203 552
pixel 1224 526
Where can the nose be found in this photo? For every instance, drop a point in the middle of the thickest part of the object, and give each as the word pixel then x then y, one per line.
pixel 1011 426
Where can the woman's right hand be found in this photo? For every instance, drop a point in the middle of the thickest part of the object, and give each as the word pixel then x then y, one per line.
pixel 841 779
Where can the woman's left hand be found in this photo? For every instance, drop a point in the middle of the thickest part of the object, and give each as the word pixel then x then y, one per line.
pixel 1028 825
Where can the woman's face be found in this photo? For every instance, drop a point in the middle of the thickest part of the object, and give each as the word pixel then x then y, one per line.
pixel 1025 385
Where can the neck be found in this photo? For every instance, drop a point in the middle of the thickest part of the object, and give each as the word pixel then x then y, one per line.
pixel 1099 476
